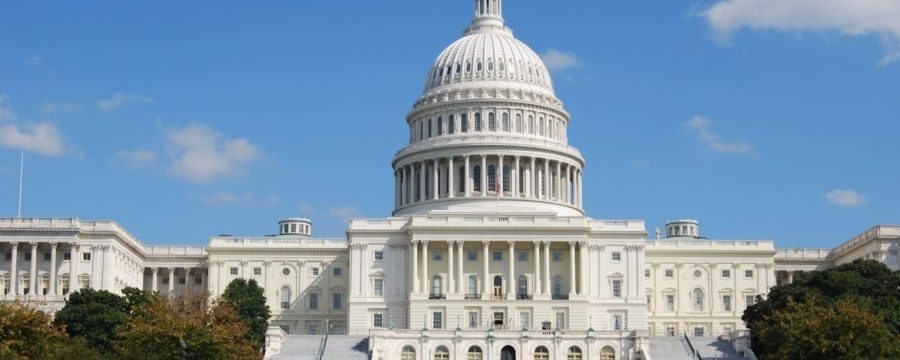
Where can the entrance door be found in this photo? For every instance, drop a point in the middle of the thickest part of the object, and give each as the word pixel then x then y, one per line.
pixel 508 353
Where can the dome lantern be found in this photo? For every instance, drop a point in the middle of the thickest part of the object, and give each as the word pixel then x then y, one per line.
pixel 488 13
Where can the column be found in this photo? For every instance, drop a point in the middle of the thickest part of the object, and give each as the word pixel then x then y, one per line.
pixel 73 267
pixel 511 282
pixel 107 265
pixel 790 275
pixel 33 275
pixel 537 268
pixel 415 266
pixel 546 268
pixel 570 191
pixel 425 266
pixel 171 293
pixel 580 187
pixel 558 188
pixel 583 250
pixel 436 187
pixel 546 185
pixel 451 274
pixel 422 180
pixel 187 281
pixel 13 269
pixel 502 187
pixel 52 290
pixel 484 272
pixel 571 269
pixel 404 187
pixel 459 268
pixel 154 280
pixel 451 190
pixel 484 185
pixel 468 178
pixel 515 178
pixel 204 280
pixel 532 174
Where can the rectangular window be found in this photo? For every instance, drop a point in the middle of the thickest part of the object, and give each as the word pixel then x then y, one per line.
pixel 336 301
pixel 616 256
pixel 726 274
pixel 437 255
pixel 66 256
pixel 557 256
pixel 670 302
pixel 525 320
pixel 670 273
pixel 617 288
pixel 561 320
pixel 257 271
pixel 698 331
pixel 749 300
pixel 46 256
pixel 726 302
pixel 649 298
pixel 379 255
pixel 28 256
pixel 748 274
pixel 86 256
pixel 437 320
pixel 338 271
pixel 473 255
pixel 379 287
pixel 473 319
pixel 314 271
pixel 181 280
pixel 617 322
pixel 313 301
pixel 647 273
pixel 8 256
pixel 523 256
pixel 233 271
pixel 378 320
pixel 498 256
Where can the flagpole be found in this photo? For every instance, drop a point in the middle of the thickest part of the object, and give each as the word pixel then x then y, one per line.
pixel 21 174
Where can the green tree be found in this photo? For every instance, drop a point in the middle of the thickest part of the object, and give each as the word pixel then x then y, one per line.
pixel 165 330
pixel 248 299
pixel 837 292
pixel 94 315
pixel 26 333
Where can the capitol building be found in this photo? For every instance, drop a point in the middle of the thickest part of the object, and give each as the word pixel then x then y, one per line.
pixel 488 254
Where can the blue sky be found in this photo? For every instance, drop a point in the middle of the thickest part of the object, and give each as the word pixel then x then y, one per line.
pixel 762 118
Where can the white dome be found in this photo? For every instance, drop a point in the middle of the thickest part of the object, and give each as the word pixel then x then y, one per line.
pixel 485 55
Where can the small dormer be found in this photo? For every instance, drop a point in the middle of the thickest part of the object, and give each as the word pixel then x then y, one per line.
pixel 295 226
pixel 683 228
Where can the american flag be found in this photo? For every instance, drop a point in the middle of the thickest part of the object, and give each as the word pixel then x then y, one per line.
pixel 499 186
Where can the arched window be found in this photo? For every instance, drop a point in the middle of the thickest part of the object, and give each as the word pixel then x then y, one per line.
pixel 478 67
pixel 518 123
pixel 285 298
pixel 530 124
pixel 506 177
pixel 557 286
pixel 522 287
pixel 474 353
pixel 505 124
pixel 541 127
pixel 541 353
pixel 421 130
pixel 501 66
pixel 464 122
pixel 451 125
pixel 698 300
pixel 477 121
pixel 492 178
pixel 490 66
pixel 437 287
pixel 440 126
pixel 492 122
pixel 458 68
pixel 408 353
pixel 468 67
pixel 429 128
pixel 498 285
pixel 476 178
pixel 441 353
pixel 473 286
pixel 608 353
pixel 574 353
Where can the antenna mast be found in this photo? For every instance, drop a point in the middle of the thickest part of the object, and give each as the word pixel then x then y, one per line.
pixel 21 174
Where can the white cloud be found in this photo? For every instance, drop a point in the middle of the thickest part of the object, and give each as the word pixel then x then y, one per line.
pixel 120 99
pixel 557 60
pixel 202 155
pixel 700 126
pixel 54 108
pixel 845 198
pixel 36 60
pixel 136 158
pixel 344 212
pixel 6 112
pixel 41 138
pixel 850 17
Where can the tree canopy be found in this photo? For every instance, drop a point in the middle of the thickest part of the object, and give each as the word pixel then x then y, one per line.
pixel 249 300
pixel 26 333
pixel 848 312
pixel 94 315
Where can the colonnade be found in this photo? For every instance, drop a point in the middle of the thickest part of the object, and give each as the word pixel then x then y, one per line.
pixel 540 252
pixel 468 176
pixel 16 287
pixel 189 278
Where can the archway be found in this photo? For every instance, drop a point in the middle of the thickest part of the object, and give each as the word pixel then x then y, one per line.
pixel 508 353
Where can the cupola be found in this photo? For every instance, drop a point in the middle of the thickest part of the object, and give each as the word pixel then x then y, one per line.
pixel 683 228
pixel 295 226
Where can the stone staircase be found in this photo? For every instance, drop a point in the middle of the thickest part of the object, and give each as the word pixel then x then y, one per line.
pixel 669 348
pixel 300 347
pixel 714 348
pixel 345 347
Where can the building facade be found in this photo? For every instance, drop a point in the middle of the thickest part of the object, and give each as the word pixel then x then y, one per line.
pixel 488 253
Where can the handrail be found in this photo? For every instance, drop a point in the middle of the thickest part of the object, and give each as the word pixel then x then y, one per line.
pixel 694 351
pixel 322 344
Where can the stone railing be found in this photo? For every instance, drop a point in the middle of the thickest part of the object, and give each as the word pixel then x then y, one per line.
pixel 617 225
pixel 274 341
pixel 474 138
pixel 504 334
pixel 494 220
pixel 869 235
pixel 228 241
pixel 176 251
pixel 679 244
pixel 802 254
pixel 39 223
pixel 378 224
